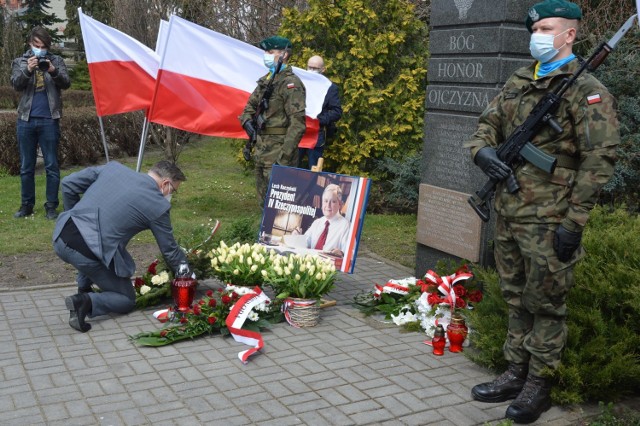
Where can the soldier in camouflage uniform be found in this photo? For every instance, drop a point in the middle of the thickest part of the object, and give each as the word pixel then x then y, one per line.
pixel 278 142
pixel 539 228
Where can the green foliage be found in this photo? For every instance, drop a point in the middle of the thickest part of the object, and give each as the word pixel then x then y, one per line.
pixel 609 416
pixel 376 53
pixel 621 75
pixel 35 15
pixel 601 360
pixel 79 76
pixel 488 323
pixel 397 188
pixel 97 9
pixel 241 230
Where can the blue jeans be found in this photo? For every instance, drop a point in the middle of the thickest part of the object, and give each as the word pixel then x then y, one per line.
pixel 44 132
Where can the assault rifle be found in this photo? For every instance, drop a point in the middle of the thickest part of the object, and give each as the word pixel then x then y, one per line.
pixel 518 146
pixel 257 120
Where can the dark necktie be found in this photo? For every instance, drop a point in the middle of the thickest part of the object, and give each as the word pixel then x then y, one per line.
pixel 323 237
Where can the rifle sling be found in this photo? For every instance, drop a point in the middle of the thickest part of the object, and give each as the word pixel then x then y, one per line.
pixel 567 162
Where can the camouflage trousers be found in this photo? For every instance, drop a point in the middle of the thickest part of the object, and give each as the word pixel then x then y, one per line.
pixel 534 283
pixel 269 151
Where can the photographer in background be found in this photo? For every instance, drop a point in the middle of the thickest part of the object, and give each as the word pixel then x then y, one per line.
pixel 39 77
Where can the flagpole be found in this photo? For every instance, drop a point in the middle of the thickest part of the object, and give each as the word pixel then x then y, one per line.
pixel 143 140
pixel 104 139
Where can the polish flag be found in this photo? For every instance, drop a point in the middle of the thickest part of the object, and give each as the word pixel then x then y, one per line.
pixel 206 78
pixel 122 70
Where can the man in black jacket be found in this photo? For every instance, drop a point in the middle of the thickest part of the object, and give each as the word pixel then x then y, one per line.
pixel 331 112
pixel 39 77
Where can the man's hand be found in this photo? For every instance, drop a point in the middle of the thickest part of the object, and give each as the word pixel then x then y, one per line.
pixel 565 243
pixel 491 165
pixel 248 127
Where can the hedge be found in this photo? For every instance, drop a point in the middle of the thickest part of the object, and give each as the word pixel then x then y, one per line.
pixel 80 140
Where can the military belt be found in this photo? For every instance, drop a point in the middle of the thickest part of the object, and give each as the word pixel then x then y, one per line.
pixel 274 131
pixel 567 162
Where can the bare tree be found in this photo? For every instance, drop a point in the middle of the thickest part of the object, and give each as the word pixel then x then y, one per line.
pixel 11 45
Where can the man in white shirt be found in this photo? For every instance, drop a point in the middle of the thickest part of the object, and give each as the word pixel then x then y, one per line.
pixel 329 233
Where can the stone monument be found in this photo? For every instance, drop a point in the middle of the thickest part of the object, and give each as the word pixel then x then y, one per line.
pixel 475 45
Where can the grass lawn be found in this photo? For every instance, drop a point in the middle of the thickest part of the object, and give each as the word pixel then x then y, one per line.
pixel 217 187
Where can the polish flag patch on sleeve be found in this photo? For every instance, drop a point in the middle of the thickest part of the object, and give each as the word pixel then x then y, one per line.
pixel 291 86
pixel 594 99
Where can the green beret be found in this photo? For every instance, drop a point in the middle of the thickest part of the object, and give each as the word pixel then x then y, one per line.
pixel 552 9
pixel 275 42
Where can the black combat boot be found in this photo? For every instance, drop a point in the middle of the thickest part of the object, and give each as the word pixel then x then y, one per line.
pixel 506 386
pixel 534 400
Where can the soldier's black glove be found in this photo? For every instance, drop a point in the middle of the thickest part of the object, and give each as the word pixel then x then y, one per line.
pixel 491 165
pixel 248 127
pixel 565 243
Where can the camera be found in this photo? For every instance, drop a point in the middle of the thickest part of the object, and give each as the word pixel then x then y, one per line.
pixel 43 64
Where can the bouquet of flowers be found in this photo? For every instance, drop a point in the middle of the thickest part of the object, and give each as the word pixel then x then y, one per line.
pixel 300 276
pixel 422 304
pixel 208 316
pixel 154 285
pixel 240 264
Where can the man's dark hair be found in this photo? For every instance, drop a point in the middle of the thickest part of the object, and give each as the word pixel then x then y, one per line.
pixel 168 170
pixel 41 34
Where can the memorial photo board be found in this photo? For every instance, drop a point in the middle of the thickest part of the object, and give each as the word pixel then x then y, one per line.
pixel 317 213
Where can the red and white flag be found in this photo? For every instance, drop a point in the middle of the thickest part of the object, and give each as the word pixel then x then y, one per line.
pixel 122 70
pixel 206 78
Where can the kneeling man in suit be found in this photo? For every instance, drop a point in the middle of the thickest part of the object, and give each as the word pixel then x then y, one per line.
pixel 105 206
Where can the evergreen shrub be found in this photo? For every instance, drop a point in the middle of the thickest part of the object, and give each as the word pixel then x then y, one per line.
pixel 621 76
pixel 601 361
pixel 396 190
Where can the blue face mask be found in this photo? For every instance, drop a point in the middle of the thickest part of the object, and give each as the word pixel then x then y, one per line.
pixel 269 60
pixel 38 52
pixel 541 46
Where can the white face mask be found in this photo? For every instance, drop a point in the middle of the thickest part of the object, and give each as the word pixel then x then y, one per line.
pixel 269 60
pixel 168 197
pixel 541 46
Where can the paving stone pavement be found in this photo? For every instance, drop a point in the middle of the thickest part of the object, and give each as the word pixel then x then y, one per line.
pixel 348 370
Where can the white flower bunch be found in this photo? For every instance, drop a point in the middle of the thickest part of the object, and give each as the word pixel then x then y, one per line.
pixel 240 264
pixel 303 276
pixel 404 316
pixel 161 278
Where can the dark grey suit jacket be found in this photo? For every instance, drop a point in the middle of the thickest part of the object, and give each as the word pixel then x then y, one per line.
pixel 110 204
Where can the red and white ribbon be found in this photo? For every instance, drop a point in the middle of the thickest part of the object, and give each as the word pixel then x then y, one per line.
pixel 290 303
pixel 237 317
pixel 162 315
pixel 445 284
pixel 390 287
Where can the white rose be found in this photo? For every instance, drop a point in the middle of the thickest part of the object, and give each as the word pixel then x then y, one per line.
pixel 144 289
pixel 156 280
